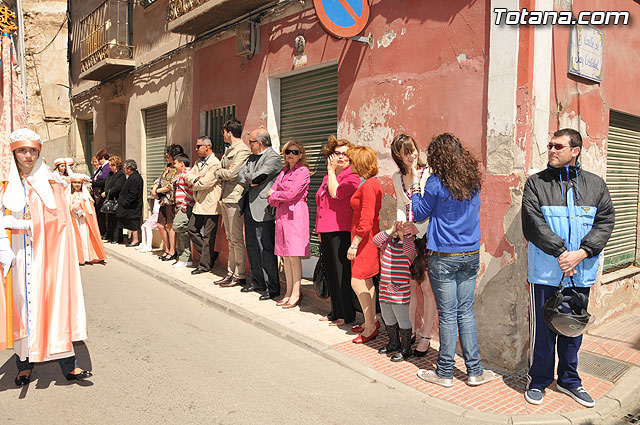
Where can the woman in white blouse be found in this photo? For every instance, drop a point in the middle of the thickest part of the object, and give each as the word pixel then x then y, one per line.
pixel 422 308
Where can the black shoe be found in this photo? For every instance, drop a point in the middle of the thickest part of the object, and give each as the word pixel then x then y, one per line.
pixel 199 271
pixel 265 297
pixel 252 288
pixel 170 258
pixel 129 245
pixel 79 376
pixel 23 380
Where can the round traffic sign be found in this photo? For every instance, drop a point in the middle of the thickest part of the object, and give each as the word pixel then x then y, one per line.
pixel 342 18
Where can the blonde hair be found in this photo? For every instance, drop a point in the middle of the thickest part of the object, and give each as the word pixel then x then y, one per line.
pixel 364 161
pixel 300 146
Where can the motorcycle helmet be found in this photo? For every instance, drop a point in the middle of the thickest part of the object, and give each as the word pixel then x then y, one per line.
pixel 566 314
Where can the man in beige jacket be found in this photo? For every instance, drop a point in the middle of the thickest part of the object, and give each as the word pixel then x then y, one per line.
pixel 233 160
pixel 203 224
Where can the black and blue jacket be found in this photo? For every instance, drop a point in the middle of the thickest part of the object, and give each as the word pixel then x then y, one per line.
pixel 563 209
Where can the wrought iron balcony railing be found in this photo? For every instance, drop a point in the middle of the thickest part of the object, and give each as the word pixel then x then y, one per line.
pixel 177 8
pixel 106 34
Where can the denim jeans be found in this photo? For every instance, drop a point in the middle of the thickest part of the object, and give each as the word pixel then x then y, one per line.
pixel 453 280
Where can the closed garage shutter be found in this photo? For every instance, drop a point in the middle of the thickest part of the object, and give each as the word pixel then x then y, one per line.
pixel 309 114
pixel 155 127
pixel 623 167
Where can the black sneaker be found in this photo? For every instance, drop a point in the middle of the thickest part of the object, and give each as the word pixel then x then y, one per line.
pixel 579 394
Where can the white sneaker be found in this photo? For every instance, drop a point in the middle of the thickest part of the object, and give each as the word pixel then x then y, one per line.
pixel 182 264
pixel 431 376
pixel 487 375
pixel 145 249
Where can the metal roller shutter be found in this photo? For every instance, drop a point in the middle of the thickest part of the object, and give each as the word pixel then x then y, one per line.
pixel 623 167
pixel 155 127
pixel 309 114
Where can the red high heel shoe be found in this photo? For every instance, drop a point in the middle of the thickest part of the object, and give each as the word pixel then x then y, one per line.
pixel 360 328
pixel 361 339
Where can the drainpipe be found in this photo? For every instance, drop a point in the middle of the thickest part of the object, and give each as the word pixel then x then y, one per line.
pixel 23 73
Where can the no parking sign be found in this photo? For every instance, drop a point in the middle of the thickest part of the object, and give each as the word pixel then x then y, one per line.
pixel 342 18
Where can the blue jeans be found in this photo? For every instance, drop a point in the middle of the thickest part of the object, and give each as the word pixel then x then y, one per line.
pixel 453 280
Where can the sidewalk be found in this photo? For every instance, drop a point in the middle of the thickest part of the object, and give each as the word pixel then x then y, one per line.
pixel 609 358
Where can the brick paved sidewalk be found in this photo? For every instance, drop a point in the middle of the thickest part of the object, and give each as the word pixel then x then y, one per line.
pixel 616 344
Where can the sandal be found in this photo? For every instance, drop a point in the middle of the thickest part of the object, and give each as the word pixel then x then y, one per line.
pixel 419 353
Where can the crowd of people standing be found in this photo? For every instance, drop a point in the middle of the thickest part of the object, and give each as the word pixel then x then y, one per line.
pixel 420 269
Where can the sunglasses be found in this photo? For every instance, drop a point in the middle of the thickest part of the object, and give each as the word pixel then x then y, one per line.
pixel 556 146
pixel 252 141
pixel 291 151
pixel 199 146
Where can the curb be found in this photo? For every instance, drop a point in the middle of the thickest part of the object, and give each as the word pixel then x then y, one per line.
pixel 622 395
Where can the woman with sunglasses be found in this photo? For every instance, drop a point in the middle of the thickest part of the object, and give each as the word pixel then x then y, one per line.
pixel 333 226
pixel 289 196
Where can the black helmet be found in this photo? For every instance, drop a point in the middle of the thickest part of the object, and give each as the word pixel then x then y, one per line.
pixel 566 314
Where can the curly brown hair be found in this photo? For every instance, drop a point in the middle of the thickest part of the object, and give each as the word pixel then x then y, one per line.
pixel 459 171
pixel 335 143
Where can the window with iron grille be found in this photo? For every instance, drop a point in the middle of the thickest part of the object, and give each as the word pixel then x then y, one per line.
pixel 213 122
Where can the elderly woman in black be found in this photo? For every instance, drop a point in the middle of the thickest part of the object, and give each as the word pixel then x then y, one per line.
pixel 129 211
pixel 112 187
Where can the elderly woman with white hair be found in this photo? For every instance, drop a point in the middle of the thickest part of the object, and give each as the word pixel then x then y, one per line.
pixel 47 294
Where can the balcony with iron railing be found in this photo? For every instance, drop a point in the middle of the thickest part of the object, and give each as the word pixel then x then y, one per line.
pixel 106 41
pixel 194 17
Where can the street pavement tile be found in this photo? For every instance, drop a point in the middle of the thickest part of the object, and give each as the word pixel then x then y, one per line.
pixel 503 395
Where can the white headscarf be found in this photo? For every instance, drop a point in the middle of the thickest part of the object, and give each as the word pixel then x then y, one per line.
pixel 14 198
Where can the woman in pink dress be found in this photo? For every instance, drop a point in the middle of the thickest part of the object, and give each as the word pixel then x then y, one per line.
pixel 289 196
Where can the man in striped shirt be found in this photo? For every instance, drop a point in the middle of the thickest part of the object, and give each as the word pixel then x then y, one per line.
pixel 184 205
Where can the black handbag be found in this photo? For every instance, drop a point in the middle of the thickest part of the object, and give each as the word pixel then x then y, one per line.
pixel 109 206
pixel 320 283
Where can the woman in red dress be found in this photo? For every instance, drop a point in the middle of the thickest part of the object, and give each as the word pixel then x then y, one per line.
pixel 365 258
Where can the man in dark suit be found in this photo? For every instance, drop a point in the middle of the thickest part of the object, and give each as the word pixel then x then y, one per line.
pixel 256 178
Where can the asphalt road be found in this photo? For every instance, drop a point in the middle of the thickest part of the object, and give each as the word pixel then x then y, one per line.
pixel 160 356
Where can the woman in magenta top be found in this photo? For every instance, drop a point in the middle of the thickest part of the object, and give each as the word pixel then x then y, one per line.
pixel 363 253
pixel 289 195
pixel 333 226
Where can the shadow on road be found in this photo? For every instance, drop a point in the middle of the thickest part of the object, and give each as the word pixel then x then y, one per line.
pixel 45 373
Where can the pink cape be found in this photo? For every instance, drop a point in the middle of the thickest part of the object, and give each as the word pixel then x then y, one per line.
pixel 94 242
pixel 55 275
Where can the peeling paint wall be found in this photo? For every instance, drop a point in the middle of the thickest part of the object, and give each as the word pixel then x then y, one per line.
pixel 47 88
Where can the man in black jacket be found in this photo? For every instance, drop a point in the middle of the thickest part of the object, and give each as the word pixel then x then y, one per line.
pixel 567 217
